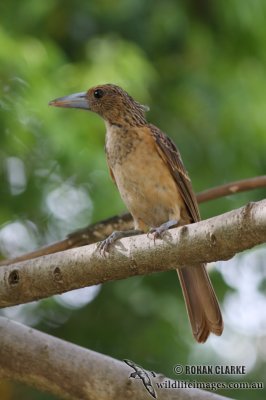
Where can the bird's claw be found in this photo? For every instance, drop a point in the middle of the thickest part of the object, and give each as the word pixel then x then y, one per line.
pixel 160 230
pixel 156 232
pixel 105 245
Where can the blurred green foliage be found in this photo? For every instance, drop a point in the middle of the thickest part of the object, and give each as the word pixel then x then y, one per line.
pixel 200 65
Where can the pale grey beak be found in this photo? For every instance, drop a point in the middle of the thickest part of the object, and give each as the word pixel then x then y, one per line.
pixel 76 100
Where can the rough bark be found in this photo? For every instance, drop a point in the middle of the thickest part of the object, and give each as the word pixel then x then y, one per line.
pixel 218 238
pixel 100 230
pixel 72 372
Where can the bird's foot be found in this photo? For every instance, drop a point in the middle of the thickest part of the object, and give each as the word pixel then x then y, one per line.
pixel 105 245
pixel 160 230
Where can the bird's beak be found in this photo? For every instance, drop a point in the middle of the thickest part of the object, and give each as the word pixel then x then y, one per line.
pixel 76 100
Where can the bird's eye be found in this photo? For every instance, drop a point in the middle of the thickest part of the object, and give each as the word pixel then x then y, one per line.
pixel 98 93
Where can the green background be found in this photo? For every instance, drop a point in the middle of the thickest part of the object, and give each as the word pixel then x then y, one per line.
pixel 201 67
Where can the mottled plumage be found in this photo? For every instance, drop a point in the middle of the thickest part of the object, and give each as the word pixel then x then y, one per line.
pixel 154 184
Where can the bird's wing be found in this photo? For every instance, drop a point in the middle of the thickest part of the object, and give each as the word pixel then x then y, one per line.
pixel 151 390
pixel 110 169
pixel 132 365
pixel 171 156
pixel 112 175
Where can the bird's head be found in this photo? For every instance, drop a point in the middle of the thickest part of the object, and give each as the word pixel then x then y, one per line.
pixel 111 102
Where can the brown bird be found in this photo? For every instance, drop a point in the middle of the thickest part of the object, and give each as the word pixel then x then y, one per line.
pixel 154 184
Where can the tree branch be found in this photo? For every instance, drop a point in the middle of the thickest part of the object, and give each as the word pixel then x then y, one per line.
pixel 72 372
pixel 232 188
pixel 100 230
pixel 218 238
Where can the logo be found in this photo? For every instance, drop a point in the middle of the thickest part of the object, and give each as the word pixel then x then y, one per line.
pixel 163 383
pixel 144 375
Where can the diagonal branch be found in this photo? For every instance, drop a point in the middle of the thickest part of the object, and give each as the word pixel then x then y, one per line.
pixel 72 372
pixel 218 238
pixel 100 230
pixel 232 188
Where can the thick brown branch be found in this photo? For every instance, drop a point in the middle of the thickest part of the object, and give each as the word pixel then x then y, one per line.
pixel 218 238
pixel 72 372
pixel 100 230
